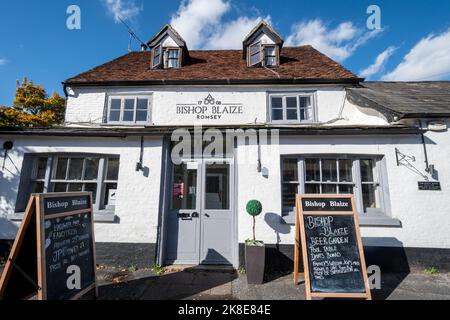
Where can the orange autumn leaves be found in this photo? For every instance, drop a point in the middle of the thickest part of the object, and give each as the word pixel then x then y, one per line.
pixel 33 108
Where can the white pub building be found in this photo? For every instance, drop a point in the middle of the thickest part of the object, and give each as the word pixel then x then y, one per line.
pixel 308 126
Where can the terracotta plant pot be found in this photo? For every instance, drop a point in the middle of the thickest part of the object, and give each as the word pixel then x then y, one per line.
pixel 255 259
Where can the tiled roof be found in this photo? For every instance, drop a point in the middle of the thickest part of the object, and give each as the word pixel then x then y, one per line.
pixel 300 64
pixel 405 99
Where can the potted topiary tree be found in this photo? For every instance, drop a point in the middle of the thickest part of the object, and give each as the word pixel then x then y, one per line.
pixel 255 251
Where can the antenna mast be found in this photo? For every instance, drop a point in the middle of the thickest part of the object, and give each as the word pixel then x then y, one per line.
pixel 132 36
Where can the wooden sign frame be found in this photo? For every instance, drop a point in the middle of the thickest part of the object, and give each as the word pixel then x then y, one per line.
pixel 36 206
pixel 300 246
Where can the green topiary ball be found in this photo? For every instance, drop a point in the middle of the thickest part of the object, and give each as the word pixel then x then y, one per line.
pixel 254 208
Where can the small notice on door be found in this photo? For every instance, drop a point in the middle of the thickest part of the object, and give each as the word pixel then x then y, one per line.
pixel 178 190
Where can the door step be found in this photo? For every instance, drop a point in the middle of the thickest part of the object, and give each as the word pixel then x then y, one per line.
pixel 200 268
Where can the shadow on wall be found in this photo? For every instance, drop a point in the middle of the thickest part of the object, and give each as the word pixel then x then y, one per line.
pixel 9 184
pixel 278 257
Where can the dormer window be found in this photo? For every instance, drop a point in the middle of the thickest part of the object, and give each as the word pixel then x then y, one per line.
pixel 169 50
pixel 262 47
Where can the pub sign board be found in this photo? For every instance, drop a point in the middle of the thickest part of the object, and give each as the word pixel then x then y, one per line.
pixel 327 230
pixel 53 254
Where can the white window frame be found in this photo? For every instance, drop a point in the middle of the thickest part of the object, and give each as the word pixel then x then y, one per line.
pixel 124 97
pixel 298 95
pixel 167 58
pixel 160 57
pixel 100 181
pixel 277 55
pixel 260 52
pixel 381 193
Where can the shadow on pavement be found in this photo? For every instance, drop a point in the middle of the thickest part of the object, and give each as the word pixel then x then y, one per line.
pixel 188 283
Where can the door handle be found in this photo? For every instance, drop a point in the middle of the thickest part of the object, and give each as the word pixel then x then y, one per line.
pixel 207 215
pixel 195 215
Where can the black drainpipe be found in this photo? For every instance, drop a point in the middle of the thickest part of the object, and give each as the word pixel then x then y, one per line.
pixel 427 165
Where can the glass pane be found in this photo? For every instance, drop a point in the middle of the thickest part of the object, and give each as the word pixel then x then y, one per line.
pixel 217 187
pixel 277 114
pixel 91 187
pixel 345 171
pixel 312 168
pixel 312 188
pixel 172 63
pixel 41 168
pixel 345 189
pixel 114 116
pixel 75 168
pixel 304 114
pixel 184 188
pixel 367 167
pixel 75 187
pixel 38 187
pixel 369 200
pixel 305 102
pixel 141 116
pixel 60 187
pixel 61 169
pixel 128 116
pixel 271 61
pixel 113 169
pixel 91 169
pixel 254 49
pixel 329 170
pixel 291 102
pixel 254 59
pixel 290 169
pixel 269 51
pixel 110 194
pixel 291 114
pixel 329 188
pixel 129 104
pixel 142 104
pixel 289 192
pixel 277 102
pixel 173 54
pixel 115 104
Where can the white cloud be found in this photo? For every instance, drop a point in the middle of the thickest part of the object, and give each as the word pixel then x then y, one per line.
pixel 338 43
pixel 230 35
pixel 201 24
pixel 428 60
pixel 379 63
pixel 3 61
pixel 123 9
pixel 196 19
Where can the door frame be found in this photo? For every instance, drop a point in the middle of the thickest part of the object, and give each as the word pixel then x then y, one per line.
pixel 165 200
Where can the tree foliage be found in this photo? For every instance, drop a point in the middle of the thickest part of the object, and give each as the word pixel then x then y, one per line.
pixel 33 107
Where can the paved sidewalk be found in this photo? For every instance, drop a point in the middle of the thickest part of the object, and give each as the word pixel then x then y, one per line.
pixel 199 284
pixel 193 284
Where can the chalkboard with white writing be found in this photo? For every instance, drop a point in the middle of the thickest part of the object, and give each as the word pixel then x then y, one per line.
pixel 53 255
pixel 332 248
pixel 328 236
pixel 69 256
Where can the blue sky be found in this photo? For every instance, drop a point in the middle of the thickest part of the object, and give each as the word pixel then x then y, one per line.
pixel 413 44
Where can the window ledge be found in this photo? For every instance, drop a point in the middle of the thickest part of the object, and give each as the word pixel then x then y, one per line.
pixel 103 216
pixel 379 221
pixel 375 220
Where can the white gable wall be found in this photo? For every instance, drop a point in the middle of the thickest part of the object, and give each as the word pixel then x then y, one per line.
pixel 87 105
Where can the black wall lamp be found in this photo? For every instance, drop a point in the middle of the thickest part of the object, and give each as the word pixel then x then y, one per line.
pixel 7 145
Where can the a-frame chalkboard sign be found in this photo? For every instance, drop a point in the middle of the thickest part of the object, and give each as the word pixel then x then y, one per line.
pixel 53 255
pixel 329 240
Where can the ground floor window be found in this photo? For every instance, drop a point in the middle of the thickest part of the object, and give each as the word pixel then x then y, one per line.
pixel 360 176
pixel 72 173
